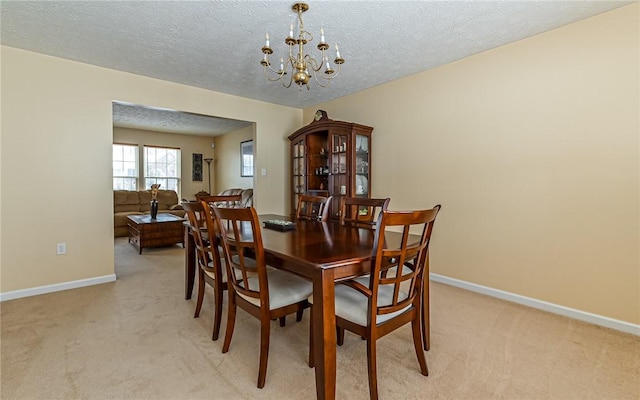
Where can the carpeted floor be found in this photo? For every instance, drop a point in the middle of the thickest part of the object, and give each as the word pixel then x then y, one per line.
pixel 136 338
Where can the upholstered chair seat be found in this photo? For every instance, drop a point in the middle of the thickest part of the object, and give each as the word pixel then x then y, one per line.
pixel 284 288
pixel 352 305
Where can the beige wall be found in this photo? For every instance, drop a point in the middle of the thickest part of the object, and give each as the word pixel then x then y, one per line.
pixel 188 145
pixel 227 161
pixel 532 149
pixel 57 136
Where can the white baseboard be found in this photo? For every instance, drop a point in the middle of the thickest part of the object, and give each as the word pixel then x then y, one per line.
pixel 540 305
pixel 16 294
pixel 500 294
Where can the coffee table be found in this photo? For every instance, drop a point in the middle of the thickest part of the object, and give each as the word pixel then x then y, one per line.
pixel 165 230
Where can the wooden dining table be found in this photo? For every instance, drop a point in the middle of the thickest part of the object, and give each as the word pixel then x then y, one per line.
pixel 323 252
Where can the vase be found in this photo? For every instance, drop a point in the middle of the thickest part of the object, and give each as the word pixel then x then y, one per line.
pixel 154 209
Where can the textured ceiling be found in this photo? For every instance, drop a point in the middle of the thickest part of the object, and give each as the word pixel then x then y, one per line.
pixel 216 44
pixel 163 120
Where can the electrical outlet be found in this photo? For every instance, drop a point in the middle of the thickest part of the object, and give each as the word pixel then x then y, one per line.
pixel 61 248
pixel 264 172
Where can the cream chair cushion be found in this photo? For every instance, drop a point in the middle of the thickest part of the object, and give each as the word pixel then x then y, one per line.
pixel 284 288
pixel 353 305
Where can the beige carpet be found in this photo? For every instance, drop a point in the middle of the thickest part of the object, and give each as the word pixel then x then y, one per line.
pixel 136 338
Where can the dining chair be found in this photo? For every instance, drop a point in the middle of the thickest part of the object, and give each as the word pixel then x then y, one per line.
pixel 199 215
pixel 208 258
pixel 313 208
pixel 361 212
pixel 265 293
pixel 211 269
pixel 374 306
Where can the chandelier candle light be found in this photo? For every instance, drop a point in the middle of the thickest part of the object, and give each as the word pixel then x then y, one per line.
pixel 301 65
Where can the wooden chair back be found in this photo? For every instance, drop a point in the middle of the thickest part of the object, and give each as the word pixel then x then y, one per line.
pixel 202 228
pixel 313 208
pixel 361 212
pixel 198 214
pixel 201 194
pixel 241 239
pixel 406 261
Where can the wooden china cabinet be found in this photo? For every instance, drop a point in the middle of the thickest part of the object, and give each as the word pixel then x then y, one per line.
pixel 330 158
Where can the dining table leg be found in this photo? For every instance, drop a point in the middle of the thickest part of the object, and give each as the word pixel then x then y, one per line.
pixel 189 262
pixel 324 331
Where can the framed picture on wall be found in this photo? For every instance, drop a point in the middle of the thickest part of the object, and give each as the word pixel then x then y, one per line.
pixel 197 168
pixel 246 158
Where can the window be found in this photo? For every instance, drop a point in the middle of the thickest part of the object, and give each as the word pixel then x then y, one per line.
pixel 125 167
pixel 246 158
pixel 162 165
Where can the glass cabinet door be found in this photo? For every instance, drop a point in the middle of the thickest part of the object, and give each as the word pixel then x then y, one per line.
pixel 298 169
pixel 317 160
pixel 339 172
pixel 362 160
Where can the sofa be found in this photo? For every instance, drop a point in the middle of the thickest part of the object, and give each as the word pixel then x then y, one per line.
pixel 137 202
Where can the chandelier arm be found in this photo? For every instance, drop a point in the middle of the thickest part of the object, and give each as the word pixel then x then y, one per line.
pixel 326 78
pixel 279 73
pixel 337 72
pixel 328 81
pixel 267 77
pixel 275 71
pixel 290 81
pixel 315 66
pixel 333 74
pixel 266 63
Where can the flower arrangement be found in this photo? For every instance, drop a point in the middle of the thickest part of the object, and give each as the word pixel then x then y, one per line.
pixel 154 202
pixel 154 190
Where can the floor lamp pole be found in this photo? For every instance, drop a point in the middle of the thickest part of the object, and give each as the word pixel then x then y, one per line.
pixel 208 160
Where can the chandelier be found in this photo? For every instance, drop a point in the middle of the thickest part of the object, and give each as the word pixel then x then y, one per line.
pixel 300 67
